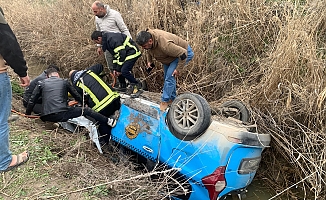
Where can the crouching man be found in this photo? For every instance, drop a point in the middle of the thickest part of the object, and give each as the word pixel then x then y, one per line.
pixel 54 92
pixel 98 95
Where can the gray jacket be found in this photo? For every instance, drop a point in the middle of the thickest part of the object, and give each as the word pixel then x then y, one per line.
pixel 111 22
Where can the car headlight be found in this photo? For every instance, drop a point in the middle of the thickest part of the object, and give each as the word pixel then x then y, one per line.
pixel 249 165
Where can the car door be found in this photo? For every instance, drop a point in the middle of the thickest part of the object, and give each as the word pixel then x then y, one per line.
pixel 138 128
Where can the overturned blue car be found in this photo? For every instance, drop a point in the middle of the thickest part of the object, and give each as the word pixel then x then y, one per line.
pixel 214 155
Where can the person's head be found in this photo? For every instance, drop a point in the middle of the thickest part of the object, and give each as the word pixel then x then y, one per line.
pixel 72 75
pixel 97 37
pixel 53 66
pixel 99 9
pixel 52 72
pixel 144 39
pixel 71 72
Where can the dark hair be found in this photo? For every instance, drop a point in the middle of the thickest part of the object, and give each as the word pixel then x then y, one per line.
pixel 99 4
pixel 53 66
pixel 96 34
pixel 143 37
pixel 50 71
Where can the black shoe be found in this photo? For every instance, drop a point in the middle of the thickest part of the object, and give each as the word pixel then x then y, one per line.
pixel 137 94
pixel 129 89
pixel 137 90
pixel 121 88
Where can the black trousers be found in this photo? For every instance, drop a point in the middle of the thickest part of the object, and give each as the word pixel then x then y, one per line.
pixel 37 109
pixel 72 112
pixel 111 108
pixel 126 72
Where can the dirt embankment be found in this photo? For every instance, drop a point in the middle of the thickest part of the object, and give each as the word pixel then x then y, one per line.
pixel 65 165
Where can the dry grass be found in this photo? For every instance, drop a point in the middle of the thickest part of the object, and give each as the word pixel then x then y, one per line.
pixel 270 54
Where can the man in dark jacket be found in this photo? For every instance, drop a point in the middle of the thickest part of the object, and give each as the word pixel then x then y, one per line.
pixel 100 96
pixel 125 53
pixel 11 54
pixel 29 90
pixel 54 91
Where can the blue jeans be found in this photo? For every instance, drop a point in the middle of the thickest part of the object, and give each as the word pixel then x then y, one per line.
pixel 170 84
pixel 5 105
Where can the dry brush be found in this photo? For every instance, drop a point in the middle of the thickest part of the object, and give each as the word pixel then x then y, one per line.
pixel 269 54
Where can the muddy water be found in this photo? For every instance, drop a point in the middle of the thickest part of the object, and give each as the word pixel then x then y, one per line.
pixel 256 190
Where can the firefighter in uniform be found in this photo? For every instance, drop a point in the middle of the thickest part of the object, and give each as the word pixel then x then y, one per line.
pixel 97 94
pixel 125 53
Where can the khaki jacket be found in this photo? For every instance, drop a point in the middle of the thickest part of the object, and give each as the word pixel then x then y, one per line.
pixel 166 47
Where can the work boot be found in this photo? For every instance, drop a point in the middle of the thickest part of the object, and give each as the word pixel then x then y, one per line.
pixel 112 121
pixel 137 90
pixel 121 88
pixel 164 105
pixel 129 90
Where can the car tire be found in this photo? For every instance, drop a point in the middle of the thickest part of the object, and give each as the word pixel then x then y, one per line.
pixel 235 109
pixel 189 116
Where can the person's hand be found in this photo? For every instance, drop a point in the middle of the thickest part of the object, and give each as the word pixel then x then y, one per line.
pixel 175 73
pixel 116 74
pixel 99 51
pixel 24 81
pixel 149 68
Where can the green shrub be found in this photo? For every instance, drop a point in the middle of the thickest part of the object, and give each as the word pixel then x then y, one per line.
pixel 16 88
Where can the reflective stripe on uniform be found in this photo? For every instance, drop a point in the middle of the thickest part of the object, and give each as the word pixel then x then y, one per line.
pixel 99 104
pixel 123 46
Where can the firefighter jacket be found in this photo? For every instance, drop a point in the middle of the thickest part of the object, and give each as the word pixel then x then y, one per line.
pixel 99 94
pixel 121 46
pixel 54 93
pixel 167 47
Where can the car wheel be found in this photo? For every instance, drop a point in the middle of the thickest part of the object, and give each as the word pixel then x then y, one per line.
pixel 189 116
pixel 235 109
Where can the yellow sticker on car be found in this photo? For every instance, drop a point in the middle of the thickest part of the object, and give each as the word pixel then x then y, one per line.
pixel 132 130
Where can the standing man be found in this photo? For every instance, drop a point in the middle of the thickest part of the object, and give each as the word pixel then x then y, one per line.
pixel 29 90
pixel 108 20
pixel 125 53
pixel 172 51
pixel 10 53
